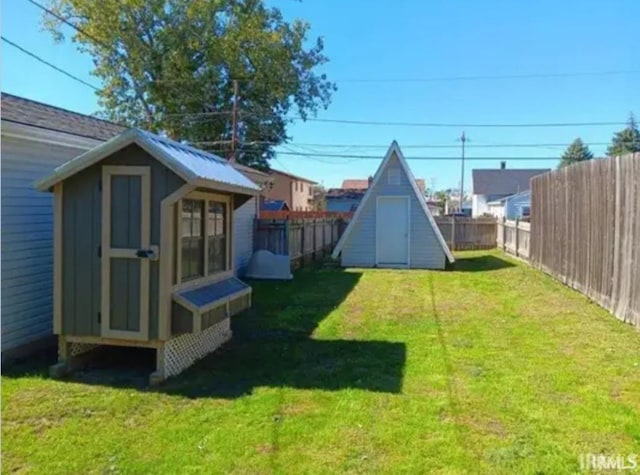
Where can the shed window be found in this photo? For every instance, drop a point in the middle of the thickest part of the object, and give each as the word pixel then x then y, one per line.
pixel 203 219
pixel 192 239
pixel 393 176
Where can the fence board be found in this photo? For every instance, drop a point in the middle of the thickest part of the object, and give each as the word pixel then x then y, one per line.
pixel 470 233
pixel 585 230
pixel 303 240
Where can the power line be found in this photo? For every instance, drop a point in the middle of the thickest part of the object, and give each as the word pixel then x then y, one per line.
pixel 439 124
pixel 68 23
pixel 419 146
pixel 53 66
pixel 377 157
pixel 491 77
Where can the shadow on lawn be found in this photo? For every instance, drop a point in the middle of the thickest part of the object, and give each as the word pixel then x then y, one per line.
pixel 480 264
pixel 271 346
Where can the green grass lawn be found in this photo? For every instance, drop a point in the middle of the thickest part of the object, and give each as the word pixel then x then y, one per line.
pixel 490 368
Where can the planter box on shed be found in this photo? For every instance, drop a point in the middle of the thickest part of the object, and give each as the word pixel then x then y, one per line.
pixel 143 249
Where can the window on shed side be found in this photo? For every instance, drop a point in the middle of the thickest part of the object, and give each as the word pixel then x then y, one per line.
pixel 192 239
pixel 393 176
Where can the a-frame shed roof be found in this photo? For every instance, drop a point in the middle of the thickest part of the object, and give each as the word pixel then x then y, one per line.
pixel 394 149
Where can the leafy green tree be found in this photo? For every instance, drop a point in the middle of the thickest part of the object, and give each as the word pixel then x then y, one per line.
pixel 576 152
pixel 627 140
pixel 168 66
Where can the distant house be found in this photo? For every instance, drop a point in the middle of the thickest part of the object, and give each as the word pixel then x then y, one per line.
pixel 296 191
pixel 517 206
pixel 434 207
pixel 452 205
pixel 274 205
pixel 348 197
pixel 343 200
pixel 490 185
pixel 393 226
pixel 37 138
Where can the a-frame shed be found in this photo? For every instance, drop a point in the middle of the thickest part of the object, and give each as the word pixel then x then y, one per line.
pixel 393 226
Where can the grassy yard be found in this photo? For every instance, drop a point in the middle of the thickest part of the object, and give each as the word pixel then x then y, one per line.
pixel 490 368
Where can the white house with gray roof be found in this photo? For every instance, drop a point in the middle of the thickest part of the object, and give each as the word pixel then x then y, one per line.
pixel 37 138
pixel 490 185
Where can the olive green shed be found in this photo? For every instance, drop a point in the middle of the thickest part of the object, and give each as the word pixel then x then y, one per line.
pixel 143 249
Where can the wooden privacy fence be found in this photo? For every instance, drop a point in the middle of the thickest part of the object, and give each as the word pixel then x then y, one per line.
pixel 303 240
pixel 470 233
pixel 585 230
pixel 514 237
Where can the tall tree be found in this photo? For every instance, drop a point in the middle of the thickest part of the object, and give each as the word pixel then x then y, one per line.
pixel 169 65
pixel 576 152
pixel 627 140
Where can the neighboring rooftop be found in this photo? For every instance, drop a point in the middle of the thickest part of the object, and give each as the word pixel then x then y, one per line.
pixel 363 184
pixel 342 193
pixel 503 181
pixel 295 177
pixel 274 205
pixel 36 114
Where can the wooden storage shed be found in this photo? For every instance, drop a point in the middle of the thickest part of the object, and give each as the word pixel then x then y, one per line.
pixel 143 250
pixel 392 226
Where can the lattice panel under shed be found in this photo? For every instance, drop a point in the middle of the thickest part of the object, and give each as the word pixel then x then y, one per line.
pixel 75 349
pixel 184 350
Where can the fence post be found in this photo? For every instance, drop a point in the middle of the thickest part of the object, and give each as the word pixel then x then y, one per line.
pixel 517 235
pixel 453 232
pixel 302 250
pixel 315 240
pixel 504 233
pixel 287 237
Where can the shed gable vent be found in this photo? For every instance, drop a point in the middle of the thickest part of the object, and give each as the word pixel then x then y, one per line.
pixel 393 176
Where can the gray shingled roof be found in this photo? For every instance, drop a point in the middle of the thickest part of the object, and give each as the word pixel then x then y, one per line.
pixel 36 114
pixel 503 181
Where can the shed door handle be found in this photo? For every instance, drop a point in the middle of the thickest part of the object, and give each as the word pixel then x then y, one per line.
pixel 144 253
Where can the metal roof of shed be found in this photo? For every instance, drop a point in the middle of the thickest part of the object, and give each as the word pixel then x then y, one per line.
pixel 193 165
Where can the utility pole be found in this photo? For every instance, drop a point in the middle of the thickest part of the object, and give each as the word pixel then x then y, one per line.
pixel 463 139
pixel 234 122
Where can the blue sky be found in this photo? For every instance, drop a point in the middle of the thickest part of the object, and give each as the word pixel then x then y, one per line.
pixel 417 40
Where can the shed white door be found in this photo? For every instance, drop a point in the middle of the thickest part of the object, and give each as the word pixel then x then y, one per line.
pixel 392 231
pixel 126 252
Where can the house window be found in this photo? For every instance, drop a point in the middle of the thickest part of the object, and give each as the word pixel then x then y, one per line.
pixel 217 237
pixel 203 219
pixel 192 239
pixel 393 176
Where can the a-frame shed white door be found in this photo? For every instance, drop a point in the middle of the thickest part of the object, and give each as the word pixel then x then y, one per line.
pixel 392 231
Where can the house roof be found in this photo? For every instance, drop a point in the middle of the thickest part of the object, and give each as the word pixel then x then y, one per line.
pixel 360 184
pixel 355 184
pixel 274 205
pixel 191 164
pixel 341 193
pixel 44 116
pixel 503 181
pixel 394 149
pixel 295 177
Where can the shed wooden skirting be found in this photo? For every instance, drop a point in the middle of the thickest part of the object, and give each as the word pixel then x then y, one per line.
pixel 585 231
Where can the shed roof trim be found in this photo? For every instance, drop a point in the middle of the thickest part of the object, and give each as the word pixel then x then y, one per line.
pixel 394 148
pixel 191 164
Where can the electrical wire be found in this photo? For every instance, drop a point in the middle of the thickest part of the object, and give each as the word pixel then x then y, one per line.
pixel 53 66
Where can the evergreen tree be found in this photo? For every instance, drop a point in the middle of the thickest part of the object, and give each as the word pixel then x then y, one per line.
pixel 627 140
pixel 576 152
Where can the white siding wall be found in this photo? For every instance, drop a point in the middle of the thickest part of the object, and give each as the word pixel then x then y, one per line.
pixel 243 235
pixel 479 205
pixel 27 239
pixel 426 251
